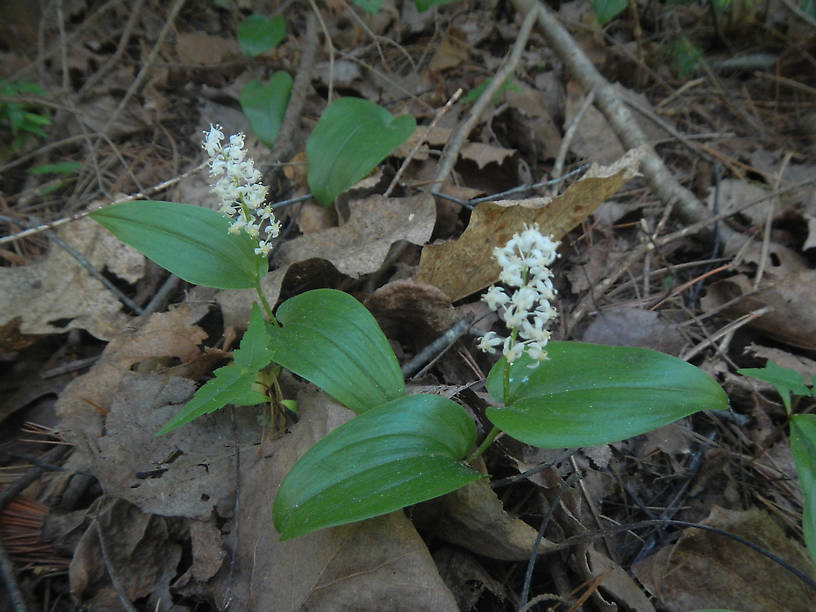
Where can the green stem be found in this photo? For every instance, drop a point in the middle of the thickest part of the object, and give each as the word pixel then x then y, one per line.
pixel 269 315
pixel 485 443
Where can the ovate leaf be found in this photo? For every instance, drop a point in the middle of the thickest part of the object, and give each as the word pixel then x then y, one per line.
pixel 265 105
pixel 259 33
pixel 330 339
pixel 352 136
pixel 369 6
pixel 607 10
pixel 232 383
pixel 589 394
pixel 784 380
pixel 400 453
pixel 424 5
pixel 191 242
pixel 803 447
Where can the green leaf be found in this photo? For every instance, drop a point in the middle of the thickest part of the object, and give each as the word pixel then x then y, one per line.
pixel 191 242
pixel 424 5
pixel 232 383
pixel 352 136
pixel 265 105
pixel 259 33
pixel 369 6
pixel 607 10
pixel 330 339
pixel 66 167
pixel 803 447
pixel 508 85
pixel 589 394
pixel 401 453
pixel 784 380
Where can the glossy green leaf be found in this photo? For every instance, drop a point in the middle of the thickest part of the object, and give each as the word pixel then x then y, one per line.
pixel 191 242
pixel 784 380
pixel 330 339
pixel 265 105
pixel 424 5
pixel 607 10
pixel 352 136
pixel 232 383
pixel 66 167
pixel 401 453
pixel 589 394
pixel 803 447
pixel 258 33
pixel 369 6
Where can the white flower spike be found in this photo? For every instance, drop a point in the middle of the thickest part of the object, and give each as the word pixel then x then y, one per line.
pixel 525 261
pixel 238 187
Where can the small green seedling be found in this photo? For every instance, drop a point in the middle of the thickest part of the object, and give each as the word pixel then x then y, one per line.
pixel 20 117
pixel 789 382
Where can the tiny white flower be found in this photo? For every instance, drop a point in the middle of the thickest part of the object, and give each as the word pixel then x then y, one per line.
pixel 528 312
pixel 489 341
pixel 238 188
pixel 495 297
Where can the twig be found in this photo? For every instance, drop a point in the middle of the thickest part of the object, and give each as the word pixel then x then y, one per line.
pixel 437 348
pixel 329 42
pixel 284 146
pixel 439 114
pixel 146 65
pixel 112 573
pixel 451 151
pixel 7 495
pixel 113 60
pixel 689 208
pixel 8 574
pixel 558 168
pixel 75 217
pixel 766 234
pixel 528 576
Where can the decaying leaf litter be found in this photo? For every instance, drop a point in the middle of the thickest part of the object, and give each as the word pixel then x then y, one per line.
pixel 184 520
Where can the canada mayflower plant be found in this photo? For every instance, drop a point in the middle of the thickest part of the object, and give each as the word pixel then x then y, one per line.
pixel 525 264
pixel 399 449
pixel 239 189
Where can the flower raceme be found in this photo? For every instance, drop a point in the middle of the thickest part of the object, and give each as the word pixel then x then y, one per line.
pixel 239 188
pixel 525 261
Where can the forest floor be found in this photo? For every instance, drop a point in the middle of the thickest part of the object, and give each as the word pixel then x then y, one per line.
pixel 695 241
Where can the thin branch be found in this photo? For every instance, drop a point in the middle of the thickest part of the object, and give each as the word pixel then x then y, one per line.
pixel 456 143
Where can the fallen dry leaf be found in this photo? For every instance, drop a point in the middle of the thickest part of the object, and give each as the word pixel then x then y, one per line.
pixel 484 154
pixel 707 570
pixel 200 49
pixel 380 563
pixel 465 265
pixel 357 247
pixel 473 517
pixel 142 549
pixel 57 294
pixel 635 327
pixel 792 298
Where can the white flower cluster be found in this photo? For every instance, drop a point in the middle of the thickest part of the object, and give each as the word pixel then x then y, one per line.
pixel 525 262
pixel 238 186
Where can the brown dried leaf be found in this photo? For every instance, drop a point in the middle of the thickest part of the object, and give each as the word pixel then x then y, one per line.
pixel 635 327
pixel 792 298
pixel 706 570
pixel 463 266
pixel 473 517
pixel 355 248
pixel 59 288
pixel 484 154
pixel 353 567
pixel 451 52
pixel 200 49
pixel 144 550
